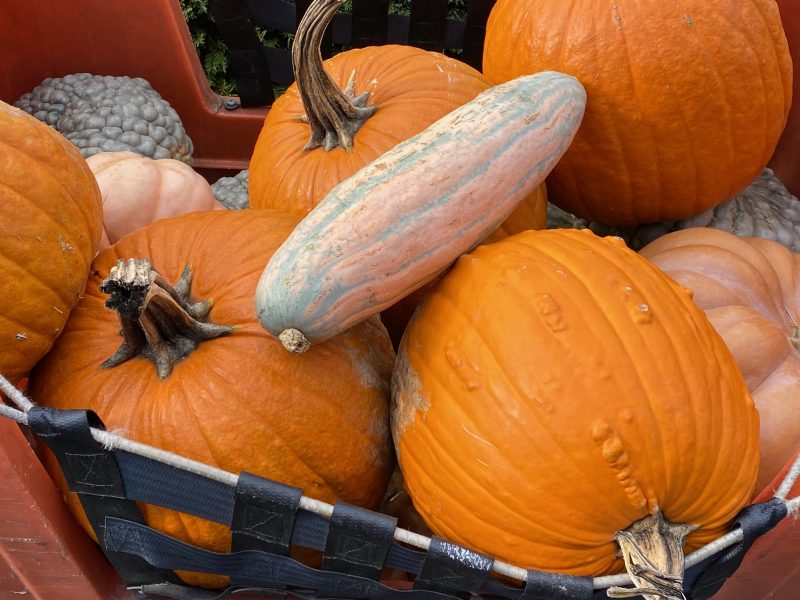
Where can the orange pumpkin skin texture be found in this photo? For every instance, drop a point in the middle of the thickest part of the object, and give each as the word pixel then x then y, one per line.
pixel 239 402
pixel 685 103
pixel 553 389
pixel 50 224
pixel 411 87
pixel 750 290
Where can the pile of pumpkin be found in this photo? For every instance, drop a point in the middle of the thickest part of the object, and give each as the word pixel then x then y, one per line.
pixel 556 396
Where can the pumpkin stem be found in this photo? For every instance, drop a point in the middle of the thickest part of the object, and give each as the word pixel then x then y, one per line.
pixel 294 341
pixel 157 320
pixel 653 552
pixel 334 115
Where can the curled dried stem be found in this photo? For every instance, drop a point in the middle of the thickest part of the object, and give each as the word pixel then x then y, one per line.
pixel 157 320
pixel 333 114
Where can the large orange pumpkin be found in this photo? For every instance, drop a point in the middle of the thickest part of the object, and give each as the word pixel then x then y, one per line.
pixel 686 101
pixel 238 401
pixel 50 224
pixel 750 290
pixel 555 389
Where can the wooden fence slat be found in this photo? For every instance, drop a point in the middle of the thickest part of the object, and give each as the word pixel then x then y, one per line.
pixel 428 23
pixel 369 23
pixel 475 31
pixel 248 61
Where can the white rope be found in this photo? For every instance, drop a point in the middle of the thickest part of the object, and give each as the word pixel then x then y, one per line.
pixel 12 413
pixel 16 396
pixel 789 480
pixel 113 441
pixel 794 507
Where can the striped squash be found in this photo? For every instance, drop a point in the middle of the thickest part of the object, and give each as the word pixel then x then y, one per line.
pixel 405 217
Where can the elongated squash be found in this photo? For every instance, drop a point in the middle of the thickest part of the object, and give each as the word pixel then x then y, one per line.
pixel 405 217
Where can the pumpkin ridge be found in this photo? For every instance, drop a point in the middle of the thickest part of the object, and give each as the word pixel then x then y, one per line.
pixel 670 334
pixel 645 396
pixel 764 96
pixel 40 209
pixel 489 499
pixel 634 206
pixel 691 507
pixel 543 543
pixel 513 384
pixel 778 32
pixel 29 159
pixel 545 532
pixel 61 293
pixel 285 442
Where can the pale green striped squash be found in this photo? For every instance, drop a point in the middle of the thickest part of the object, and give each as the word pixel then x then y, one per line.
pixel 404 218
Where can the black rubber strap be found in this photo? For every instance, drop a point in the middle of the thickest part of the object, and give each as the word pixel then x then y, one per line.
pixel 264 514
pixel 358 541
pixel 555 586
pixel 154 482
pixel 176 592
pixel 92 472
pixel 168 553
pixel 453 569
pixel 755 520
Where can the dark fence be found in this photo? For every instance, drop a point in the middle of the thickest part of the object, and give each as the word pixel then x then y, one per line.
pixel 258 68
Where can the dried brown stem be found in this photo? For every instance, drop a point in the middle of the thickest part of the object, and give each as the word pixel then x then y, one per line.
pixel 653 552
pixel 334 115
pixel 157 320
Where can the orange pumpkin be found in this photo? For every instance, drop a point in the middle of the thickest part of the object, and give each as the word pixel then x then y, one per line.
pixel 750 290
pixel 50 223
pixel 556 389
pixel 138 190
pixel 238 401
pixel 684 109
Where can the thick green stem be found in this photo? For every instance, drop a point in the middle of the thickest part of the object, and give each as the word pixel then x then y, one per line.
pixel 157 320
pixel 334 115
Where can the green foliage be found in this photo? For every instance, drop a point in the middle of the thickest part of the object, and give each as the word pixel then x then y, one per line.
pixel 210 46
pixel 213 51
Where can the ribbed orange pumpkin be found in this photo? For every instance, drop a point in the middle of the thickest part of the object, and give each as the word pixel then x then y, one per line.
pixel 750 290
pixel 556 388
pixel 239 401
pixel 686 101
pixel 50 224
